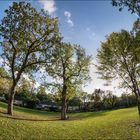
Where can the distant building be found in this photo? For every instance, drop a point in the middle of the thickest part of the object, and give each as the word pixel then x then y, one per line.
pixel 18 102
pixel 47 107
pixel 2 98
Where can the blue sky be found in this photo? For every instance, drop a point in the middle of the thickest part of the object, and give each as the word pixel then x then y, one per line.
pixel 85 23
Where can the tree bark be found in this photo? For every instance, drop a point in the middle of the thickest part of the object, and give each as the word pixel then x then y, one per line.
pixel 137 94
pixel 64 104
pixel 138 104
pixel 11 101
pixel 79 107
pixel 67 108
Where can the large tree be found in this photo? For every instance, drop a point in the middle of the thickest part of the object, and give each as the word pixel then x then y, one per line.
pixel 70 69
pixel 119 57
pixel 28 37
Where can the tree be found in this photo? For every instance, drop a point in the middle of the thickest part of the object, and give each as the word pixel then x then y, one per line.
pixel 133 5
pixel 43 96
pixel 26 93
pixel 127 100
pixel 110 99
pixel 97 98
pixel 75 101
pixel 119 57
pixel 28 37
pixel 70 69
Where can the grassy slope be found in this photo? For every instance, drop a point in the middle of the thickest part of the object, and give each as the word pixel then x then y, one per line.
pixel 117 124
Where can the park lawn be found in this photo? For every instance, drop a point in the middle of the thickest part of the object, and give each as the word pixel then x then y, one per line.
pixel 116 124
pixel 30 113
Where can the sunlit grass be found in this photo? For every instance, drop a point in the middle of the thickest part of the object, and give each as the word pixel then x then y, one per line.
pixel 29 113
pixel 117 124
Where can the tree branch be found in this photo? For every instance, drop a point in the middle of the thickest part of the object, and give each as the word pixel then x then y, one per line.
pixel 13 59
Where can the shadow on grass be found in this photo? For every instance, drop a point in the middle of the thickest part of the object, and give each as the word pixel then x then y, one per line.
pixel 30 111
pixel 84 115
pixel 14 117
pixel 73 116
pixel 52 116
pixel 5 115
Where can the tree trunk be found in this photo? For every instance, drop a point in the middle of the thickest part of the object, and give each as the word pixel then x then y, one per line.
pixel 63 112
pixel 137 94
pixel 67 108
pixel 64 104
pixel 11 101
pixel 138 103
pixel 79 107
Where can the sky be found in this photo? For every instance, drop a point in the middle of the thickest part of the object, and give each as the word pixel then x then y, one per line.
pixel 86 23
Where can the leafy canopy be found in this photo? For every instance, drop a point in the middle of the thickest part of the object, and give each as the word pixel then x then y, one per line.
pixel 28 37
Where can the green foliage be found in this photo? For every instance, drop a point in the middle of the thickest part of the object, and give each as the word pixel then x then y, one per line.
pixel 70 67
pixel 132 5
pixel 5 82
pixel 110 100
pixel 4 74
pixel 28 37
pixel 43 96
pixel 75 101
pixel 96 99
pixel 128 99
pixel 119 57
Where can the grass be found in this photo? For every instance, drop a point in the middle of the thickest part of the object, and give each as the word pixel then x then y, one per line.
pixel 21 112
pixel 116 124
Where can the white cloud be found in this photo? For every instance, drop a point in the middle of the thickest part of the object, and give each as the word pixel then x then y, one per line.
pixel 49 5
pixel 88 29
pixel 67 14
pixel 91 34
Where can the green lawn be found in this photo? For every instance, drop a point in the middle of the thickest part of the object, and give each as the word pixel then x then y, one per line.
pixel 116 124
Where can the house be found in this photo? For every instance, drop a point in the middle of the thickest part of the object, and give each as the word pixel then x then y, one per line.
pixel 47 107
pixel 18 102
